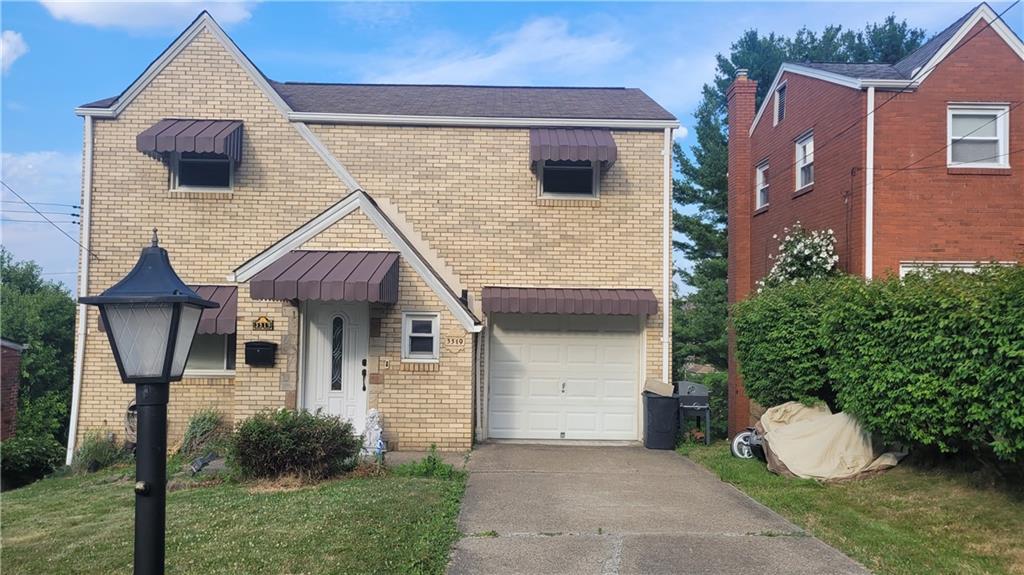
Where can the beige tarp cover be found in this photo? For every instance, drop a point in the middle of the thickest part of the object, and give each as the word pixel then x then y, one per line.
pixel 814 443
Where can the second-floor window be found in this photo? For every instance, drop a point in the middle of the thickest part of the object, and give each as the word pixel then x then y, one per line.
pixel 780 104
pixel 805 161
pixel 762 185
pixel 568 178
pixel 978 136
pixel 197 171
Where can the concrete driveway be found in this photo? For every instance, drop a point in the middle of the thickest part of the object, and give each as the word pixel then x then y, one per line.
pixel 532 509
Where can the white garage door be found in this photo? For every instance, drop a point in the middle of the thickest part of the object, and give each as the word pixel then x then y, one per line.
pixel 564 377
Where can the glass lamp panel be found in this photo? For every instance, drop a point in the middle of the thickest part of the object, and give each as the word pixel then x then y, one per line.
pixel 188 321
pixel 140 332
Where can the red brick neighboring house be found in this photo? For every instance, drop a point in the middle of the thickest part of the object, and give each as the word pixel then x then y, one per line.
pixel 10 379
pixel 912 164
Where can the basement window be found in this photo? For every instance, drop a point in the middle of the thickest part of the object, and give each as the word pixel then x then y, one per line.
pixel 420 336
pixel 204 172
pixel 564 178
pixel 805 161
pixel 978 137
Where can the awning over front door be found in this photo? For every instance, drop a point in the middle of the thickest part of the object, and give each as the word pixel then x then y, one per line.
pixel 329 276
pixel 569 301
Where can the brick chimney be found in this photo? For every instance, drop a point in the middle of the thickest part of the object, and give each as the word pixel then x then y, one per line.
pixel 741 98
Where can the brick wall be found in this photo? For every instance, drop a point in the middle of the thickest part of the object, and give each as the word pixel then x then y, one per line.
pixel 10 379
pixel 939 214
pixel 469 192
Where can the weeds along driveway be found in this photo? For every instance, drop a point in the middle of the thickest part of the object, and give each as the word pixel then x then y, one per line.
pixel 531 509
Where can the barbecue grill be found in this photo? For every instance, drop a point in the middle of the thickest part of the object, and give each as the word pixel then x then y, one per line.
pixel 693 402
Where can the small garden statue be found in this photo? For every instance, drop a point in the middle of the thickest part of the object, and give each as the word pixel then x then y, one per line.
pixel 373 437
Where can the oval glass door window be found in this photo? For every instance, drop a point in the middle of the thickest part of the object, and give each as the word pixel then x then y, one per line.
pixel 337 353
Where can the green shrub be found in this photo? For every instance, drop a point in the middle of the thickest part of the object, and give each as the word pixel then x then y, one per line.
pixel 779 342
pixel 205 429
pixel 430 466
pixel 97 450
pixel 286 442
pixel 27 457
pixel 45 415
pixel 934 360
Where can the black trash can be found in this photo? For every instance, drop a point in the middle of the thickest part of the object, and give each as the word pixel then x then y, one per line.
pixel 661 421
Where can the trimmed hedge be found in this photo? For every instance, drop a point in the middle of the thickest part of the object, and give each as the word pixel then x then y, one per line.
pixel 934 359
pixel 285 442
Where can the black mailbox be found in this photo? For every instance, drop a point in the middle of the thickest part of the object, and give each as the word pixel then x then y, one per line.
pixel 260 353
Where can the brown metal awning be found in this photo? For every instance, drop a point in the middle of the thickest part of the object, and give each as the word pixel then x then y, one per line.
pixel 220 137
pixel 572 144
pixel 570 301
pixel 334 276
pixel 214 320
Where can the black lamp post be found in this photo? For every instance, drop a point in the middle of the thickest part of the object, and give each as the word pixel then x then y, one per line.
pixel 151 317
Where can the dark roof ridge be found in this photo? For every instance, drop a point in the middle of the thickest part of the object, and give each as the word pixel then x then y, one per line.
pixel 495 86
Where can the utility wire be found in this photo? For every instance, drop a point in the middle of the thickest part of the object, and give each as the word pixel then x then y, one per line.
pixel 75 206
pixel 52 223
pixel 960 139
pixel 999 17
pixel 7 211
pixel 10 221
pixel 909 168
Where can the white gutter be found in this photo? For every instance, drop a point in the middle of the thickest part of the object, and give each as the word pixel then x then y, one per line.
pixel 83 290
pixel 474 121
pixel 869 186
pixel 666 314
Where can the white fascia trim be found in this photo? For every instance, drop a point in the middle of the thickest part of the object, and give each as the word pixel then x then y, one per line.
pixel 318 146
pixel 203 22
pixel 854 83
pixel 666 328
pixel 294 240
pixel 473 121
pixel 83 290
pixel 360 200
pixel 983 12
pixel 869 186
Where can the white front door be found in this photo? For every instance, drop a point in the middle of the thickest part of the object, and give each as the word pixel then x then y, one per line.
pixel 564 377
pixel 336 354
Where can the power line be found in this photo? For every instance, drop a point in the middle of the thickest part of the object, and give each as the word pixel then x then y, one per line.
pixel 988 24
pixel 58 228
pixel 76 206
pixel 10 221
pixel 909 168
pixel 7 211
pixel 961 138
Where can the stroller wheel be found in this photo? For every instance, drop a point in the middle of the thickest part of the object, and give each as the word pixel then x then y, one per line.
pixel 741 445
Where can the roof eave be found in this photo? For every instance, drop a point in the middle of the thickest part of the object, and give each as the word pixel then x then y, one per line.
pixel 479 121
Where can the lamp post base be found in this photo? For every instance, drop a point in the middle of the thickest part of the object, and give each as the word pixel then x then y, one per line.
pixel 150 477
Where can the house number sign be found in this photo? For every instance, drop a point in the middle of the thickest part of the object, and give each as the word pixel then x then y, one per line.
pixel 263 323
pixel 454 344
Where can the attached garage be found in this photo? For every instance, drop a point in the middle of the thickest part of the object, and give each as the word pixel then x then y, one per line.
pixel 564 377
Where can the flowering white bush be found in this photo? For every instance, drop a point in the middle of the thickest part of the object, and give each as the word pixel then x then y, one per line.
pixel 802 255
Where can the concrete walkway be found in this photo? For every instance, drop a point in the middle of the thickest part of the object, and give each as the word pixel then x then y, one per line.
pixel 532 509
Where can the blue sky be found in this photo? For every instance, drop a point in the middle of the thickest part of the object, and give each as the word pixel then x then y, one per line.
pixel 59 55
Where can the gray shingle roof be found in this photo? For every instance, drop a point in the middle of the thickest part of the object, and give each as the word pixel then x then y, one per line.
pixel 861 71
pixel 920 57
pixel 472 101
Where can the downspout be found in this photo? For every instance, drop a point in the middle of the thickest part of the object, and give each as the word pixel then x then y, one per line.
pixel 666 314
pixel 869 186
pixel 83 290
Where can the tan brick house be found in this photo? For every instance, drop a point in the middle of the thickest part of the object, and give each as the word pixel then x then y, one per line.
pixel 473 262
pixel 914 164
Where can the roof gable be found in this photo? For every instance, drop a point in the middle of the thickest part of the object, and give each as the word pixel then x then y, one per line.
pixel 360 200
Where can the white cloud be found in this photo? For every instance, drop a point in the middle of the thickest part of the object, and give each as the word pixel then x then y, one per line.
pixel 539 49
pixel 12 48
pixel 146 14
pixel 372 14
pixel 681 133
pixel 42 178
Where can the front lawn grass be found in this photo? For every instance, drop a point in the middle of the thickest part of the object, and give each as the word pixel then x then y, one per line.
pixel 905 521
pixel 83 524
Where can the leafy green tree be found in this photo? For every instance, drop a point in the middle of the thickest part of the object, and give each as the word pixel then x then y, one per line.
pixel 39 313
pixel 699 325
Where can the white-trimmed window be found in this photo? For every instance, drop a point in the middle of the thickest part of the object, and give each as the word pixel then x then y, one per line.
pixel 201 172
pixel 568 179
pixel 761 185
pixel 805 161
pixel 780 104
pixel 211 355
pixel 420 336
pixel 978 136
pixel 926 267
